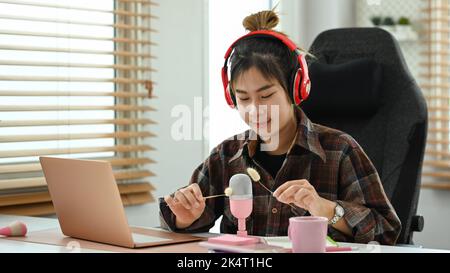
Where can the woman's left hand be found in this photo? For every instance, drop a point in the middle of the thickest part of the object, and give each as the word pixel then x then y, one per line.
pixel 303 195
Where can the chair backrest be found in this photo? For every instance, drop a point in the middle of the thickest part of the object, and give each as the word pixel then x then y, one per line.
pixel 394 135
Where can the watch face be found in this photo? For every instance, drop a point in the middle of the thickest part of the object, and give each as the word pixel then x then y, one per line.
pixel 339 211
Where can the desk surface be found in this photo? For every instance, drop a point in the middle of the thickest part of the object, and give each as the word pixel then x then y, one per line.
pixel 40 224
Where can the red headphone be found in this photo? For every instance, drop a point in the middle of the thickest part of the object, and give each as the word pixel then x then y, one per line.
pixel 301 84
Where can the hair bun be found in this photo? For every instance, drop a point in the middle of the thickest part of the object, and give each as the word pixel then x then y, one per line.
pixel 263 20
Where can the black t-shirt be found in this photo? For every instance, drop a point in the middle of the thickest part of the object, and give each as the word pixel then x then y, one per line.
pixel 271 163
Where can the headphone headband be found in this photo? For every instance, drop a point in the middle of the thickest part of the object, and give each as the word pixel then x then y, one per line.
pixel 264 33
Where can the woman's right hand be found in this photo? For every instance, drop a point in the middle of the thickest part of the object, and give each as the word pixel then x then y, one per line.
pixel 187 204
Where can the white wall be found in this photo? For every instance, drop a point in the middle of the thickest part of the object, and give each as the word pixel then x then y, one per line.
pixel 434 205
pixel 225 26
pixel 303 20
pixel 181 77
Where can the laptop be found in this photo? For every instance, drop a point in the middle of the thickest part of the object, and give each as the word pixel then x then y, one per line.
pixel 88 205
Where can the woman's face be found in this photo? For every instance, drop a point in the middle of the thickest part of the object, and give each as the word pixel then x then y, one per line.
pixel 262 103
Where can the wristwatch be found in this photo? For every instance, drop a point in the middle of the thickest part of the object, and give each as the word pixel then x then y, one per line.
pixel 338 213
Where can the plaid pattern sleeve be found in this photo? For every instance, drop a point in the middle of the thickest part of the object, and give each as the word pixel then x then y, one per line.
pixel 368 211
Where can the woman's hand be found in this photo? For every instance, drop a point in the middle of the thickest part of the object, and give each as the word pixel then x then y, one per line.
pixel 187 204
pixel 303 195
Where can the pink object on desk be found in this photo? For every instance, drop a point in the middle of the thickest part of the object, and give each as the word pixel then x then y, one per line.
pixel 335 249
pixel 308 234
pixel 338 248
pixel 16 228
pixel 241 206
pixel 241 209
pixel 231 239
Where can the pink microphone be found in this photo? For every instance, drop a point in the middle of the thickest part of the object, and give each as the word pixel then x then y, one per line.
pixel 241 201
pixel 16 228
pixel 241 206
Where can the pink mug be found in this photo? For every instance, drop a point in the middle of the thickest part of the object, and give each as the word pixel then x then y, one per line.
pixel 308 234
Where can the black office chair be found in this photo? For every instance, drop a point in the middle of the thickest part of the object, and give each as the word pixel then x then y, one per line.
pixel 362 86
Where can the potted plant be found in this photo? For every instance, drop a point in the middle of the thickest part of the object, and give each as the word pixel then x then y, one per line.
pixel 388 24
pixel 404 29
pixel 404 21
pixel 388 21
pixel 376 20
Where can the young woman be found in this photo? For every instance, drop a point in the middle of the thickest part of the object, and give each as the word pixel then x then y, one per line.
pixel 312 169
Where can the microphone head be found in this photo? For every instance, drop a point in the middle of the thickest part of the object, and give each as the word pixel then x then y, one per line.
pixel 242 187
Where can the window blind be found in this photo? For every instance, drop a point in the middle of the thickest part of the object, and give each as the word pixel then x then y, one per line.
pixel 435 82
pixel 75 82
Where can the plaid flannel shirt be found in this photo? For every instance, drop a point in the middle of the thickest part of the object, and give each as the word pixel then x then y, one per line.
pixel 333 163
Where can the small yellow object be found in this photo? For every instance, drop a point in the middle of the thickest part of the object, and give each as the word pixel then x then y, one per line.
pixel 253 174
pixel 256 178
pixel 228 191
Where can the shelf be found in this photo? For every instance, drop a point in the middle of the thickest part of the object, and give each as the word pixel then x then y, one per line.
pixel 406 34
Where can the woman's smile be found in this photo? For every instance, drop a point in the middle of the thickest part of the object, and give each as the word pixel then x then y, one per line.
pixel 261 124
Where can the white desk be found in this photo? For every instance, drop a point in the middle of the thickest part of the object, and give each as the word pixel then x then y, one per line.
pixel 33 224
pixel 39 224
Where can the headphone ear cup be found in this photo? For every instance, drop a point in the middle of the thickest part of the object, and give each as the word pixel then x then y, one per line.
pixel 306 88
pixel 231 96
pixel 296 87
pixel 292 87
pixel 304 83
pixel 302 87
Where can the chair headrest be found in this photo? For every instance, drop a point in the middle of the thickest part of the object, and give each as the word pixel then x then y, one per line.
pixel 347 89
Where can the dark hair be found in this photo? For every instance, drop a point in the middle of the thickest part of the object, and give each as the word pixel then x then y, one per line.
pixel 271 57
